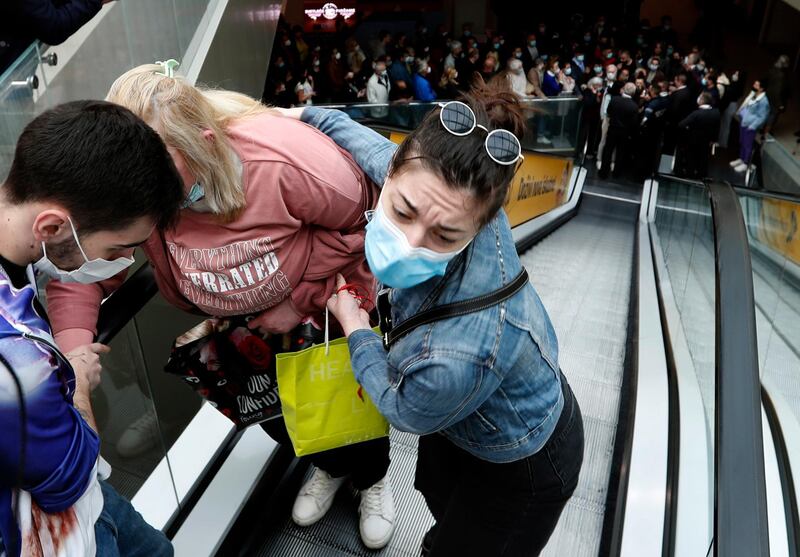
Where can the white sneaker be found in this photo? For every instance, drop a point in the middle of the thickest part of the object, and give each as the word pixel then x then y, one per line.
pixel 736 163
pixel 377 514
pixel 544 140
pixel 140 437
pixel 315 498
pixel 599 164
pixel 740 168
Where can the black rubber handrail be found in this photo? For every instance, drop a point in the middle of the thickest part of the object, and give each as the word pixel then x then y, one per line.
pixel 128 300
pixel 740 509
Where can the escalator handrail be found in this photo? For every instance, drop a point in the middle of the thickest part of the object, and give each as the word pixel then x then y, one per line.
pixel 128 300
pixel 766 194
pixel 740 521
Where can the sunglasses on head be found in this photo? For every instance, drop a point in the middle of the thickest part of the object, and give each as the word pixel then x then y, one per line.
pixel 502 146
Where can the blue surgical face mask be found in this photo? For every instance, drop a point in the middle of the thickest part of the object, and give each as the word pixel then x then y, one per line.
pixel 580 57
pixel 496 46
pixel 532 43
pixel 196 193
pixel 393 261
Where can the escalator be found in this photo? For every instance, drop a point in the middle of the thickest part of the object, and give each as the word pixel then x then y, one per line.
pixel 630 275
pixel 678 458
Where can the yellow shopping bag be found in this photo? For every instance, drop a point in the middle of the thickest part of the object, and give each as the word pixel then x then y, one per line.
pixel 323 405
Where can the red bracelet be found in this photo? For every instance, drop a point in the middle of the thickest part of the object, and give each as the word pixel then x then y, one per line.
pixel 359 293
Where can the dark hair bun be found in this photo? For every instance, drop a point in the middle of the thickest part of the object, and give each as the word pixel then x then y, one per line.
pixel 496 104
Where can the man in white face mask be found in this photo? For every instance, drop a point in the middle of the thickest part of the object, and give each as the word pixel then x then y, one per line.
pixel 89 182
pixel 516 77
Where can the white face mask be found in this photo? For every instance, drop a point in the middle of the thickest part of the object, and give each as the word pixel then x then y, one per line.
pixel 91 271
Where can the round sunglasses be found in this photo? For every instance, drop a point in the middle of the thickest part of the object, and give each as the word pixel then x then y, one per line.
pixel 502 146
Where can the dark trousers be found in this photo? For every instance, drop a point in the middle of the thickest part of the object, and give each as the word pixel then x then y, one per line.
pixel 366 463
pixel 488 509
pixel 618 138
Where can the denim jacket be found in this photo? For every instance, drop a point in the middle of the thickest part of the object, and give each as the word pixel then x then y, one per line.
pixel 755 111
pixel 489 381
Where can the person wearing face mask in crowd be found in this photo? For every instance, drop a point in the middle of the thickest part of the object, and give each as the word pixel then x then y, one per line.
pixel 466 33
pixel 696 134
pixel 434 242
pixel 623 116
pixel 581 72
pixel 551 82
pixel 588 42
pixel 379 88
pixel 753 112
pixel 53 483
pixel 530 52
pixel 497 49
pixel 356 59
pixel 456 51
pixel 449 86
pixel 603 54
pixel 401 74
pixel 423 91
pixel 608 94
pixel 652 127
pixel 305 89
pixel 516 78
pixel 654 73
pixel 589 133
pixel 283 207
pixel 567 80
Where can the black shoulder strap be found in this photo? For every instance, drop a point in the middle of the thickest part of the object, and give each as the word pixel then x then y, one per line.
pixel 455 309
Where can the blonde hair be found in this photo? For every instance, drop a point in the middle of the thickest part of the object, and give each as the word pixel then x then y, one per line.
pixel 181 113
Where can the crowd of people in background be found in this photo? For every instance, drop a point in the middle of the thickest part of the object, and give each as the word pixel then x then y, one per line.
pixel 667 91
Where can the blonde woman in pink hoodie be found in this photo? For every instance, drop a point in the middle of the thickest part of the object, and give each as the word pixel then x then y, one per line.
pixel 273 211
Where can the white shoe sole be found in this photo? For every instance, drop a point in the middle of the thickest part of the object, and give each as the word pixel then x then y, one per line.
pixel 380 544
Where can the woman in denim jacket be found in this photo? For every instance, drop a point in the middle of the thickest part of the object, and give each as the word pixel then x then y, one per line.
pixel 501 440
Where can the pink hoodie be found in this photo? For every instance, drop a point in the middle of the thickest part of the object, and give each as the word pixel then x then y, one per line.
pixel 303 223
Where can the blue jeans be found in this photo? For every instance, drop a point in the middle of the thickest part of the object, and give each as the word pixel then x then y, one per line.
pixel 122 532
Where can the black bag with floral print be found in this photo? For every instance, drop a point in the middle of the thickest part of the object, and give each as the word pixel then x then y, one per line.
pixel 233 368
